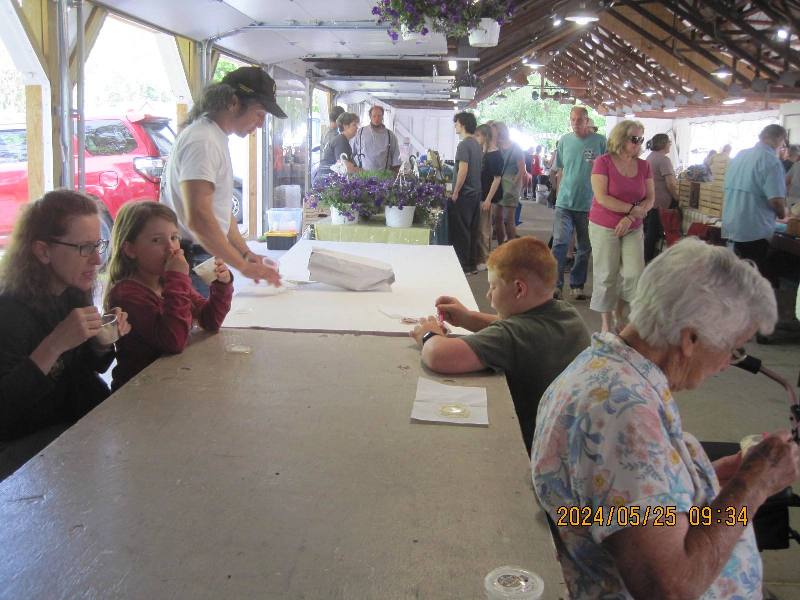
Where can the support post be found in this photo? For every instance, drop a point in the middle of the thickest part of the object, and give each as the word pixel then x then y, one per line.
pixel 65 95
pixel 252 186
pixel 34 98
pixel 80 58
pixel 309 133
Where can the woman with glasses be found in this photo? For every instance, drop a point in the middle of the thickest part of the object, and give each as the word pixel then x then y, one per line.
pixel 623 189
pixel 49 357
pixel 663 520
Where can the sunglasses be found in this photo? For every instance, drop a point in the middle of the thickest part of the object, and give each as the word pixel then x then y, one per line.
pixel 636 140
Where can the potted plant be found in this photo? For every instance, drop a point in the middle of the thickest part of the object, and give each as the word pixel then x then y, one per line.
pixel 413 200
pixel 466 85
pixel 453 18
pixel 349 197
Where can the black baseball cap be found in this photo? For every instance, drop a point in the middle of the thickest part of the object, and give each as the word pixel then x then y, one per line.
pixel 253 82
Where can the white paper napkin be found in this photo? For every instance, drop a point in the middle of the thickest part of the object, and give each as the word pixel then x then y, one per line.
pixel 441 403
pixel 350 271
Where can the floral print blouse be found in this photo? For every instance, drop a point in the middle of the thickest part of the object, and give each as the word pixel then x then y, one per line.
pixel 608 433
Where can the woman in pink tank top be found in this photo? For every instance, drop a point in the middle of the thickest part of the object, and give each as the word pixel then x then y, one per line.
pixel 623 193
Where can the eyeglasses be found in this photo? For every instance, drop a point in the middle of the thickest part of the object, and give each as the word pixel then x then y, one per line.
pixel 737 355
pixel 636 140
pixel 100 246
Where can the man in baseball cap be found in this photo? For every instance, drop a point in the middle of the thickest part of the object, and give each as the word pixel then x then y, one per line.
pixel 253 82
pixel 198 178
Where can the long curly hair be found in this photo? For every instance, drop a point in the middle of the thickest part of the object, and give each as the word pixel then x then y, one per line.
pixel 24 276
pixel 216 98
pixel 131 220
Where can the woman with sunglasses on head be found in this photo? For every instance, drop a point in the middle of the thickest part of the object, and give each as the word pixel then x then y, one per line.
pixel 49 356
pixel 623 189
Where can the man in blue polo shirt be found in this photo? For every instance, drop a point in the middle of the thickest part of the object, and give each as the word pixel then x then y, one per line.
pixel 574 159
pixel 755 195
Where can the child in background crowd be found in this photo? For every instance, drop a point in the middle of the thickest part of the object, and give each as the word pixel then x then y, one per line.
pixel 149 278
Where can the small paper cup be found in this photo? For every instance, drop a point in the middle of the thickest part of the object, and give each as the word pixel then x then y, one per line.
pixel 206 271
pixel 109 332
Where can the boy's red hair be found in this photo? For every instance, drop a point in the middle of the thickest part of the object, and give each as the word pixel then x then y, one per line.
pixel 523 257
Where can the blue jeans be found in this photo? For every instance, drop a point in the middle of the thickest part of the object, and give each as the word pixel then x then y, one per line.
pixel 566 221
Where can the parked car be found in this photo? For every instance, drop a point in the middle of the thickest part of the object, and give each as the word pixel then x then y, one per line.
pixel 124 160
pixel 124 157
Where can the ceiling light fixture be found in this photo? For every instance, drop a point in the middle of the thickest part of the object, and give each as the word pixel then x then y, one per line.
pixel 534 64
pixel 733 100
pixel 452 65
pixel 557 21
pixel 722 72
pixel 649 93
pixel 608 101
pixel 582 15
pixel 670 110
pixel 782 34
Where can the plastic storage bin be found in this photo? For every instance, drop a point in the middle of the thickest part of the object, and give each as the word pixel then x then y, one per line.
pixel 284 220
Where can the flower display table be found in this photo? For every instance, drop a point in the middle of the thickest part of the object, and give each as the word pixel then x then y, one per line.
pixel 374 231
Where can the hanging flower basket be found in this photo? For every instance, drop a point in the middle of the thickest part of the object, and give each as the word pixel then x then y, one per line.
pixel 453 18
pixel 485 35
pixel 466 92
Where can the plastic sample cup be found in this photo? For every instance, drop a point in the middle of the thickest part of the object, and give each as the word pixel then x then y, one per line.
pixel 206 271
pixel 749 441
pixel 109 332
pixel 513 583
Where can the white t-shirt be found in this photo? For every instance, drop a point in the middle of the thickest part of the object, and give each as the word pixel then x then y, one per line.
pixel 200 152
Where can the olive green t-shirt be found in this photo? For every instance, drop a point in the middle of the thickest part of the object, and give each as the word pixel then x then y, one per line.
pixel 532 348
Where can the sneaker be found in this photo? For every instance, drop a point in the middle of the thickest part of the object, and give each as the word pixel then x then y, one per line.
pixel 557 294
pixel 481 267
pixel 578 294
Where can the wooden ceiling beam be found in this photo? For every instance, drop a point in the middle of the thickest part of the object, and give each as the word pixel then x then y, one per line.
pixel 778 47
pixel 642 78
pixel 586 70
pixel 652 47
pixel 615 43
pixel 495 61
pixel 656 15
pixel 587 60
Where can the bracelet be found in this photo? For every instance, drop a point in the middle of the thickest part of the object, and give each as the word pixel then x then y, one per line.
pixel 428 335
pixel 630 210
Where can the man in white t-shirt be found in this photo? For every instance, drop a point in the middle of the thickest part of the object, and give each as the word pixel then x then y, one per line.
pixel 198 182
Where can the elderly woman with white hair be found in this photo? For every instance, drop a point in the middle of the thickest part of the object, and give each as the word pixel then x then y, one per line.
pixel 627 489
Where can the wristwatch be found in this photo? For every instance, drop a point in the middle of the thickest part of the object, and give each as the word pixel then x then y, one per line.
pixel 428 335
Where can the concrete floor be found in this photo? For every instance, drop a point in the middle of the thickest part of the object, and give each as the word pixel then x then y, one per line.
pixel 725 408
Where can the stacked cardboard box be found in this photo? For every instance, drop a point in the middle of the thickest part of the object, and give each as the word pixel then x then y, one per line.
pixel 712 193
pixel 707 196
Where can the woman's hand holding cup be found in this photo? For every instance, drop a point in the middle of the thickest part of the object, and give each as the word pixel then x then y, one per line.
pixel 79 325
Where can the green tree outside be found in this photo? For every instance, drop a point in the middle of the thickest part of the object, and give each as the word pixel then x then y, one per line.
pixel 533 117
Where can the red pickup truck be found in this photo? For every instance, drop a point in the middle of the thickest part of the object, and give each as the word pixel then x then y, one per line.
pixel 124 161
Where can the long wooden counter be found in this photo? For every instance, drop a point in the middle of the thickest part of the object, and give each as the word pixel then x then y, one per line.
pixel 291 471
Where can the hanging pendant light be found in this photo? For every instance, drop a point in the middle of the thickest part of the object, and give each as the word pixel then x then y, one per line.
pixel 582 15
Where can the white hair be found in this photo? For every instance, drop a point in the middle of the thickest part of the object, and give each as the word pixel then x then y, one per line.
pixel 703 287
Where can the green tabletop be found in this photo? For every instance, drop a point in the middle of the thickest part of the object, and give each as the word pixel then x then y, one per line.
pixel 374 232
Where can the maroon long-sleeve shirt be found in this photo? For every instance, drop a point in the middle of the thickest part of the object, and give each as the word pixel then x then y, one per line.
pixel 162 324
